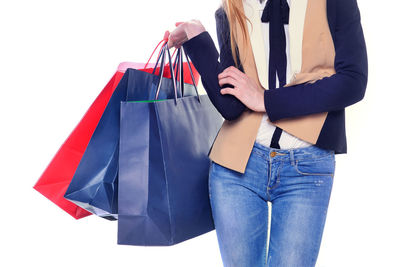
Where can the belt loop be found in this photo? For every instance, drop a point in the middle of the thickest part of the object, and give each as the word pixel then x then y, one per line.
pixel 291 156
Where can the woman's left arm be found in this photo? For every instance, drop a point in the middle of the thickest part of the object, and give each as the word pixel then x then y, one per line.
pixel 338 91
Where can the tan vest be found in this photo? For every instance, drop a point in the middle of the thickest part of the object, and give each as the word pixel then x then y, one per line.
pixel 312 56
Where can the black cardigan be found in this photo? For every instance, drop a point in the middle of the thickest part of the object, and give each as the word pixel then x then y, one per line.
pixel 330 94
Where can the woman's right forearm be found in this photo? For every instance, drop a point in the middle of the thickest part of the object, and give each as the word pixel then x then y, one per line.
pixel 204 55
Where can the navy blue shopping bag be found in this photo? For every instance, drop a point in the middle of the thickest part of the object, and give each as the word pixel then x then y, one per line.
pixel 95 182
pixel 163 170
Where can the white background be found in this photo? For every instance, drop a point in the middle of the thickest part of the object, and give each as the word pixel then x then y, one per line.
pixel 56 56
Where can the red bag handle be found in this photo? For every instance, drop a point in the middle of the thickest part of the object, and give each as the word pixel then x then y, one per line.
pixel 162 41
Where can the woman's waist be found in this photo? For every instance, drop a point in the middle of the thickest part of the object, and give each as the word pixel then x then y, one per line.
pixel 286 140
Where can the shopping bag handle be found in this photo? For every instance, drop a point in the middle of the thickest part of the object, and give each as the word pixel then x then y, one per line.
pixel 162 59
pixel 179 61
pixel 162 41
pixel 191 73
pixel 178 70
pixel 159 52
pixel 166 48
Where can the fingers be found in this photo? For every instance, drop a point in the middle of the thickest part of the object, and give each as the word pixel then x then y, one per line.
pixel 169 43
pixel 234 73
pixel 235 77
pixel 166 34
pixel 173 43
pixel 166 37
pixel 228 80
pixel 228 90
pixel 177 37
pixel 229 76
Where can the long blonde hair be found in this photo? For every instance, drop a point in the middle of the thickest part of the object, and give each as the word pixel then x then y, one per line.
pixel 235 14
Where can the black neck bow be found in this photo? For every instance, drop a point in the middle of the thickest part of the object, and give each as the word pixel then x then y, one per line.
pixel 271 5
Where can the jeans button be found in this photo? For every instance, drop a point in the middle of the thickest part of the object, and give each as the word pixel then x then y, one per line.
pixel 273 154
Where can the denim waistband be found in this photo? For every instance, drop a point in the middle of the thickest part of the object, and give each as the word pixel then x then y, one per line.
pixel 293 154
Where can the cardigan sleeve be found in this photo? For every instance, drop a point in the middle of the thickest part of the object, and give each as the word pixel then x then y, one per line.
pixel 204 55
pixel 338 91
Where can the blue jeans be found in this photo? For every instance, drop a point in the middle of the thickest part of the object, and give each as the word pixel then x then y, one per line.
pixel 298 184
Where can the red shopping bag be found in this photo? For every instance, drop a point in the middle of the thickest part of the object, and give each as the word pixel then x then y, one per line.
pixel 54 181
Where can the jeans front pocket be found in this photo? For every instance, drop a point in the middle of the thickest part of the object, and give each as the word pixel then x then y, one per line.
pixel 323 166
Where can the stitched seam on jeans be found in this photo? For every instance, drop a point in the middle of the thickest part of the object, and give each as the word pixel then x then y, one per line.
pixel 313 157
pixel 279 175
pixel 279 172
pixel 260 153
pixel 310 173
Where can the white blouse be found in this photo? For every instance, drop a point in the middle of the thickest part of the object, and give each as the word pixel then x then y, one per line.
pixel 266 130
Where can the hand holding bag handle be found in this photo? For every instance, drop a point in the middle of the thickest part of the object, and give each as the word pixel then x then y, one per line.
pixel 179 57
